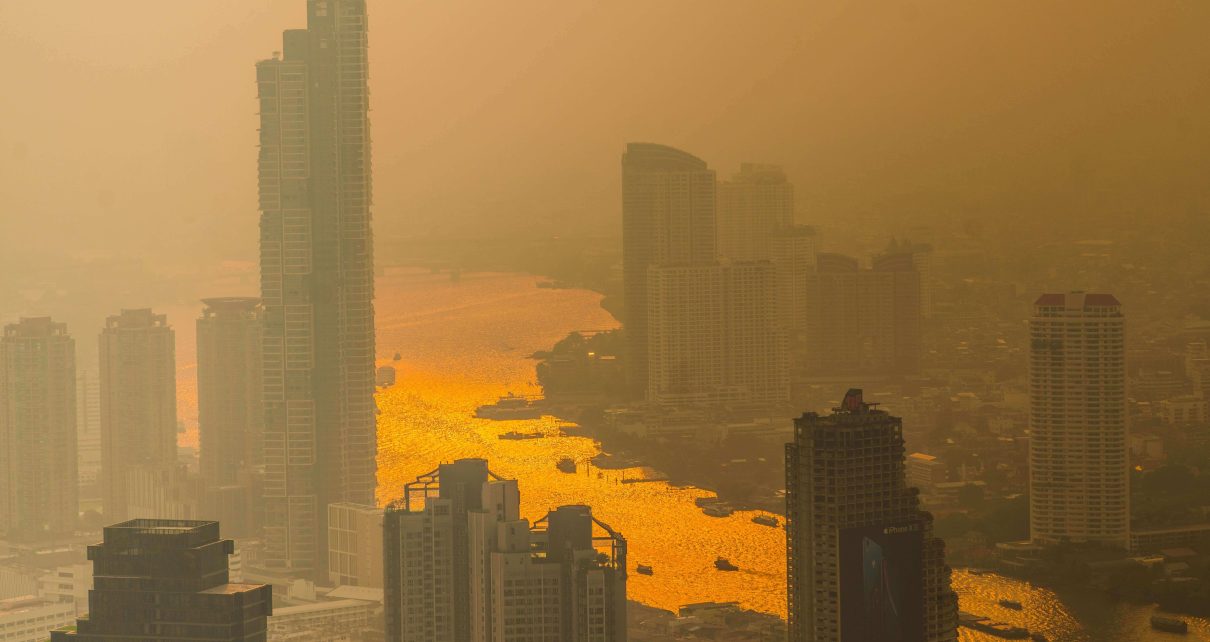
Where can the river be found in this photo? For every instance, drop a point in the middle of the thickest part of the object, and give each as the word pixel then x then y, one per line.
pixel 465 343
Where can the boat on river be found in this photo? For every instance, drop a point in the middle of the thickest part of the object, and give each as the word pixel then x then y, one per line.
pixel 510 407
pixel 766 520
pixel 516 436
pixel 718 510
pixel 566 465
pixel 644 569
pixel 384 377
pixel 724 564
pixel 1169 624
pixel 1011 604
pixel 991 627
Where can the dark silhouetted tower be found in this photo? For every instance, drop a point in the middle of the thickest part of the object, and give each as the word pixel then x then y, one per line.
pixel 861 558
pixel 167 580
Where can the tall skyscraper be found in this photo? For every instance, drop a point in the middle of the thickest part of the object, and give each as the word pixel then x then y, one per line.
pixel 714 335
pixel 863 321
pixel 231 416
pixel 38 491
pixel 138 402
pixel 1079 467
pixel 752 206
pixel 317 282
pixel 167 580
pixel 461 565
pixel 668 217
pixel 861 558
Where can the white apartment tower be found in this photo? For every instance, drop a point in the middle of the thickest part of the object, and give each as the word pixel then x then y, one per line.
pixel 1079 468
pixel 714 335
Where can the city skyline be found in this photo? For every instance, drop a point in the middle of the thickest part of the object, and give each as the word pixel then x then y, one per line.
pixel 829 356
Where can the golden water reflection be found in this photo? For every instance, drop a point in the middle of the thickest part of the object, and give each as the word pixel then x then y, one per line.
pixel 466 343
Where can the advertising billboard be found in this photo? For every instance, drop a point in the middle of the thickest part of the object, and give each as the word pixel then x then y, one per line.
pixel 881 584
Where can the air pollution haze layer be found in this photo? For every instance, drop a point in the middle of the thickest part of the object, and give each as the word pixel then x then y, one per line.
pixel 128 132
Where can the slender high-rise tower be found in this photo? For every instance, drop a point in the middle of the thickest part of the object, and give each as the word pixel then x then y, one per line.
pixel 231 417
pixel 38 493
pixel 1079 467
pixel 668 217
pixel 862 560
pixel 138 403
pixel 317 282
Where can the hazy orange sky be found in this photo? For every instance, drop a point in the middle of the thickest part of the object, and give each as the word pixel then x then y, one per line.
pixel 491 117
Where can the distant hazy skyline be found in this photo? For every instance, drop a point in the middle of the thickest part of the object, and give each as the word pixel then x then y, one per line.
pixel 129 128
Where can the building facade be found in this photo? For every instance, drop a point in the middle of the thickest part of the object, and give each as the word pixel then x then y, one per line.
pixel 668 217
pixel 231 417
pixel 792 250
pixel 88 435
pixel 27 619
pixel 714 335
pixel 862 561
pixel 355 545
pixel 138 402
pixel 168 580
pixel 38 492
pixel 752 206
pixel 863 321
pixel 317 282
pixel 1079 456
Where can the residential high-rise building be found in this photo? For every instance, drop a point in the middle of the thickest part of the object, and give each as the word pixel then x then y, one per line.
pixel 668 217
pixel 752 206
pixel 425 554
pixel 38 488
pixel 898 272
pixel 138 402
pixel 463 566
pixel 862 561
pixel 1079 466
pixel 714 336
pixel 317 282
pixel 231 416
pixel 162 579
pixel 88 434
pixel 792 250
pixel 863 321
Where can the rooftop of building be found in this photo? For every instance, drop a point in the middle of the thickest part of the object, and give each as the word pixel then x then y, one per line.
pixel 660 157
pixel 1078 300
pixel 231 589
